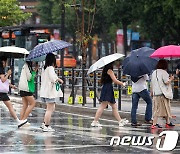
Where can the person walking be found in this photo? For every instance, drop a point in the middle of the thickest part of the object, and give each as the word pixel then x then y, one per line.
pixel 139 89
pixel 27 88
pixel 3 95
pixel 161 91
pixel 107 96
pixel 48 92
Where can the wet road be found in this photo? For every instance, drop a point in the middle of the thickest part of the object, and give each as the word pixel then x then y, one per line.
pixel 73 134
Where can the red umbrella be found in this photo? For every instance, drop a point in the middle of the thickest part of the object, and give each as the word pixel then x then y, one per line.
pixel 170 51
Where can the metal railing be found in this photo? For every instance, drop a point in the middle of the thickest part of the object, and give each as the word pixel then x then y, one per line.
pixel 73 82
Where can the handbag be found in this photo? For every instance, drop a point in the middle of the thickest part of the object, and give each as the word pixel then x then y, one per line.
pixel 31 84
pixel 166 89
pixel 57 88
pixel 4 86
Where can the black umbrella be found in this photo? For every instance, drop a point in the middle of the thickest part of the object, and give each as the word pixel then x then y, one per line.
pixel 139 62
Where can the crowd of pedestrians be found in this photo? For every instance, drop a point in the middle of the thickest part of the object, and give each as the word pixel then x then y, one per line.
pixel 157 100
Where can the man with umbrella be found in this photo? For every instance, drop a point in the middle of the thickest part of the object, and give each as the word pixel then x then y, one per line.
pixel 138 64
pixel 139 89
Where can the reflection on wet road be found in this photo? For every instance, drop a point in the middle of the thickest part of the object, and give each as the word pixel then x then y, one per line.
pixel 73 134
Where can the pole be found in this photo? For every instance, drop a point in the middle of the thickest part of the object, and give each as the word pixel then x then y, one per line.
pixel 62 38
pixel 83 56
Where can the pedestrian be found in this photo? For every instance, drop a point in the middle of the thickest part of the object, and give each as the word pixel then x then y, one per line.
pixel 48 91
pixel 178 70
pixel 27 88
pixel 161 91
pixel 107 96
pixel 140 90
pixel 4 82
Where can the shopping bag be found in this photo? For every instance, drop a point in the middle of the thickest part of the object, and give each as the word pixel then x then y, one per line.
pixel 31 84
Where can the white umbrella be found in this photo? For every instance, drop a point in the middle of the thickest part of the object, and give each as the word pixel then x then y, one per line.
pixel 104 61
pixel 13 52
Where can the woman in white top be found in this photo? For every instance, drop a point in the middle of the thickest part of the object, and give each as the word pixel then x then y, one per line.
pixel 27 75
pixel 48 91
pixel 159 89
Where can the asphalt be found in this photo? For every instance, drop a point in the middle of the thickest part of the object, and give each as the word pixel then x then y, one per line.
pixel 89 110
pixel 73 134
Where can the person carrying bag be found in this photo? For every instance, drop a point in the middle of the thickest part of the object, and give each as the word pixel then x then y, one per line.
pixel 162 94
pixel 27 89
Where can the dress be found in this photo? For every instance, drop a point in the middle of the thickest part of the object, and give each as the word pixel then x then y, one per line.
pixel 107 93
pixel 162 106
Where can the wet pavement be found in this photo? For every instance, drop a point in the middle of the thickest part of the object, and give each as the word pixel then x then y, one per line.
pixel 73 134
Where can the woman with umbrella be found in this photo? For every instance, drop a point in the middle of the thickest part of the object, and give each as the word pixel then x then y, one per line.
pixel 47 91
pixel 107 96
pixel 162 93
pixel 3 96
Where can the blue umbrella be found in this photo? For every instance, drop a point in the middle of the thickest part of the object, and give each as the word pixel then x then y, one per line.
pixel 139 62
pixel 39 51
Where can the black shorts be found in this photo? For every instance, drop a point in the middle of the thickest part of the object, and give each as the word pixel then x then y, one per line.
pixel 4 97
pixel 25 93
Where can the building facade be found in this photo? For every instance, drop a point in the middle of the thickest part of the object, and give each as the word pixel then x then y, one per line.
pixel 30 6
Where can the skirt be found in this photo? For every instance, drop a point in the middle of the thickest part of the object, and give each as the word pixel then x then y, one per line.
pixel 107 94
pixel 4 97
pixel 162 106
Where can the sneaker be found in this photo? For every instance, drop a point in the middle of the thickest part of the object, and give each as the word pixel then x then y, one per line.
pixel 42 125
pixel 96 124
pixel 136 124
pixel 21 123
pixel 121 123
pixel 48 129
pixel 155 126
pixel 170 125
pixel 27 124
pixel 125 121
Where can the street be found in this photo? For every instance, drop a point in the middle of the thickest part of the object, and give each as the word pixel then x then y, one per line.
pixel 73 134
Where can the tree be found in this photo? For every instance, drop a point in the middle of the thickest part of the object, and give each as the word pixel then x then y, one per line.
pixel 119 11
pixel 159 21
pixel 10 13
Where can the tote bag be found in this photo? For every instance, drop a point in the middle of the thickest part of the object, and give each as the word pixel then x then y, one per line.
pixel 166 89
pixel 57 89
pixel 4 86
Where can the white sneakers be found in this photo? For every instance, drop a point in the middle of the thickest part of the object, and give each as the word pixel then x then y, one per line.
pixel 21 123
pixel 96 124
pixel 46 129
pixel 121 123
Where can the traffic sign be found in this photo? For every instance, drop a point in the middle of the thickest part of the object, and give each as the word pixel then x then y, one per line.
pixel 129 90
pixel 80 100
pixel 70 100
pixel 91 95
pixel 116 94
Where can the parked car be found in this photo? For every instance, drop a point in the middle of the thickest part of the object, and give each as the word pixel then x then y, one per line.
pixel 69 61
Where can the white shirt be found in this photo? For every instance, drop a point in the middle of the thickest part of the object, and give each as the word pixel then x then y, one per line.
pixel 163 78
pixel 24 78
pixel 140 85
pixel 48 79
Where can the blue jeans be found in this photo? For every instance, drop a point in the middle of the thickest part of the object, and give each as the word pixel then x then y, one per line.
pixel 135 99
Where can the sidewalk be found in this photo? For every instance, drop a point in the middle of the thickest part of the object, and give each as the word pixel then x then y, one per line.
pixel 89 110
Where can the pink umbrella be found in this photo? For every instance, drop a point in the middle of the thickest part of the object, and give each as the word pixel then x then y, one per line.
pixel 170 51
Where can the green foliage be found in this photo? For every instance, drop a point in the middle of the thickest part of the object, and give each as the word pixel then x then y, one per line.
pixel 10 13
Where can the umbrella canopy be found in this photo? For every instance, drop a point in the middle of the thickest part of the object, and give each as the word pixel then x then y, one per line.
pixel 139 63
pixel 47 47
pixel 13 52
pixel 170 51
pixel 104 61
